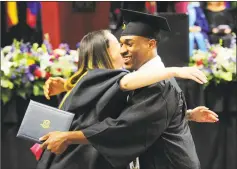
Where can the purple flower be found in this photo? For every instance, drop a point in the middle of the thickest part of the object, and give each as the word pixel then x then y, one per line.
pixel 214 54
pixel 12 49
pixel 29 46
pixel 33 67
pixel 78 45
pixel 11 56
pixel 48 46
pixel 61 45
pixel 30 76
pixel 24 79
pixel 210 59
pixel 74 69
pixel 27 70
pixel 208 70
pixel 65 47
pixel 232 60
pixel 19 69
pixel 13 76
pixel 24 48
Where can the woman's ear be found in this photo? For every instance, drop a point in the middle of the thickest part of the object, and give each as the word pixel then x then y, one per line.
pixel 152 43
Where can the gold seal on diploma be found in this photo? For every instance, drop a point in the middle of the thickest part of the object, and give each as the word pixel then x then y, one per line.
pixel 45 124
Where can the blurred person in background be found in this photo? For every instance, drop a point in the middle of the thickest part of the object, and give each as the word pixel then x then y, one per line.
pixel 198 27
pixel 221 23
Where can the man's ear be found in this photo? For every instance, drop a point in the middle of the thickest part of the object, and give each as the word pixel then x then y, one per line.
pixel 152 43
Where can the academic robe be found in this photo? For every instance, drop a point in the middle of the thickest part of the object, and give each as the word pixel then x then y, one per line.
pixel 153 126
pixel 95 97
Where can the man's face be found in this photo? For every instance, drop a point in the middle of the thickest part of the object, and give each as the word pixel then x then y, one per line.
pixel 134 50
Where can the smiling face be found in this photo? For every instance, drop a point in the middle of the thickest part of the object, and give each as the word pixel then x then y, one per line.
pixel 136 51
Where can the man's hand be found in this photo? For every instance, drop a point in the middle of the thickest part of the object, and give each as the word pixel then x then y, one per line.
pixel 192 73
pixel 203 115
pixel 54 86
pixel 227 31
pixel 56 142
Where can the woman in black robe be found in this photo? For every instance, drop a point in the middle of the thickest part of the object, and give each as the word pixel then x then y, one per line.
pixel 96 92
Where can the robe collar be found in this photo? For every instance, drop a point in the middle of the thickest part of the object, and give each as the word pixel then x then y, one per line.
pixel 154 61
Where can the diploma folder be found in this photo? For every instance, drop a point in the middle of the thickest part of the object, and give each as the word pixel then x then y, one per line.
pixel 41 119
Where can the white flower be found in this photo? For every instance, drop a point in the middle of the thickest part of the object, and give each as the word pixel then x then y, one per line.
pixel 60 52
pixel 2 54
pixel 23 62
pixel 198 55
pixel 6 64
pixel 215 69
pixel 43 72
pixel 65 65
pixel 45 61
pixel 74 54
pixel 225 59
pixel 7 49
pixel 40 50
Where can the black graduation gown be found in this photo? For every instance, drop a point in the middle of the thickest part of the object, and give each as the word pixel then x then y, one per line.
pixel 153 126
pixel 96 96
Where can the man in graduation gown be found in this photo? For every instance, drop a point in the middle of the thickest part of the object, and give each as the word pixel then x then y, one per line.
pixel 153 126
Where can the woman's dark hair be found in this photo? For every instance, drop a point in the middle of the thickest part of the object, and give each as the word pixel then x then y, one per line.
pixel 93 53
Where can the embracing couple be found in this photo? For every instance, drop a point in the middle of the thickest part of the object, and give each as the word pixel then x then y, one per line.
pixel 129 110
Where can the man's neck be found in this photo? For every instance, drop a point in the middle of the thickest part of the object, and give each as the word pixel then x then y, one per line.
pixel 155 61
pixel 151 56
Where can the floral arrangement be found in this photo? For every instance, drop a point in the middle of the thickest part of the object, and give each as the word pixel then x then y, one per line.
pixel 26 67
pixel 218 64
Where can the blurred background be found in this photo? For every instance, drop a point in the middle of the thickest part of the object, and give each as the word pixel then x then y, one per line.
pixel 37 38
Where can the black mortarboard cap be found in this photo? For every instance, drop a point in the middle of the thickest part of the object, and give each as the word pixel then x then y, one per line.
pixel 142 24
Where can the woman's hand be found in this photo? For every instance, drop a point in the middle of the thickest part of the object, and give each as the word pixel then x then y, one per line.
pixel 190 73
pixel 202 114
pixel 215 30
pixel 54 86
pixel 56 142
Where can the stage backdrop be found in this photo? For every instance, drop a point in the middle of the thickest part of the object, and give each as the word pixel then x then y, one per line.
pixel 65 22
pixel 173 47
